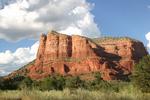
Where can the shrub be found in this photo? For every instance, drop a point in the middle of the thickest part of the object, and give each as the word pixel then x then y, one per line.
pixel 60 83
pixel 74 82
pixel 48 83
pixel 98 77
pixel 141 74
pixel 26 83
pixel 12 83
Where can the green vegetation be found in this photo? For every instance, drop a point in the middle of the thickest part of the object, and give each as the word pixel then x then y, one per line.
pixel 78 94
pixel 51 83
pixel 105 39
pixel 57 82
pixel 26 83
pixel 58 87
pixel 74 82
pixel 73 88
pixel 141 75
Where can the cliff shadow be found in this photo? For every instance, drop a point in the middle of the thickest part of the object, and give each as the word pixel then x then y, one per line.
pixel 100 51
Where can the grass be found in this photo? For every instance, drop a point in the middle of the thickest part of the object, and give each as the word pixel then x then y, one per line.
pixel 78 94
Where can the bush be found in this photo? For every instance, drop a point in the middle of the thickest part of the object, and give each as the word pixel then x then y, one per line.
pixel 141 74
pixel 74 82
pixel 12 83
pixel 98 77
pixel 60 83
pixel 26 83
pixel 48 83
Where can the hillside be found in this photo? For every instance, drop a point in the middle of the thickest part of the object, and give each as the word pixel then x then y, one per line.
pixel 75 55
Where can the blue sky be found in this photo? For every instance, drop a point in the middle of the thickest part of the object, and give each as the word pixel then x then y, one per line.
pixel 114 18
pixel 123 18
pixel 23 21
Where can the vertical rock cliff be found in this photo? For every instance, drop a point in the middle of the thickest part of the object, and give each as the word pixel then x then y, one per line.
pixel 76 55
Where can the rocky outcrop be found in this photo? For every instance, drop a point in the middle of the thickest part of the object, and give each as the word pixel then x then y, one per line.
pixel 76 55
pixel 65 55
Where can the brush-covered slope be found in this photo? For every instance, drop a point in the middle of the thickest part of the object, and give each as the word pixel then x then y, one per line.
pixel 77 55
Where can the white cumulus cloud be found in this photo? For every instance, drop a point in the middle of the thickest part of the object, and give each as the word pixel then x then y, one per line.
pixel 10 61
pixel 28 18
pixel 148 38
pixel 20 19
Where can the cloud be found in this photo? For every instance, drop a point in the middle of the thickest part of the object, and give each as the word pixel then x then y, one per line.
pixel 20 19
pixel 148 38
pixel 3 3
pixel 28 18
pixel 12 60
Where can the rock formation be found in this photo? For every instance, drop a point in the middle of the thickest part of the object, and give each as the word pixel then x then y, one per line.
pixel 76 55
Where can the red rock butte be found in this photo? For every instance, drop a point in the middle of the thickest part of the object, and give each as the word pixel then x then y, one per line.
pixel 74 55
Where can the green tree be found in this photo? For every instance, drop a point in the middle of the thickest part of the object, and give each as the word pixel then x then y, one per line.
pixel 141 74
pixel 48 83
pixel 11 83
pixel 74 82
pixel 98 77
pixel 1 83
pixel 26 83
pixel 60 83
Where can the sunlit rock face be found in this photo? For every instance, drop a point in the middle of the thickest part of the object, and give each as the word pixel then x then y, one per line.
pixel 76 55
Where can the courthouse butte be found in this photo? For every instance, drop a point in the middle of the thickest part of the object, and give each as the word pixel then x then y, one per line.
pixel 75 55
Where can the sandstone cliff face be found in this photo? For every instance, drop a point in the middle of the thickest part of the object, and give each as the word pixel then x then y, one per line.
pixel 75 55
pixel 65 55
